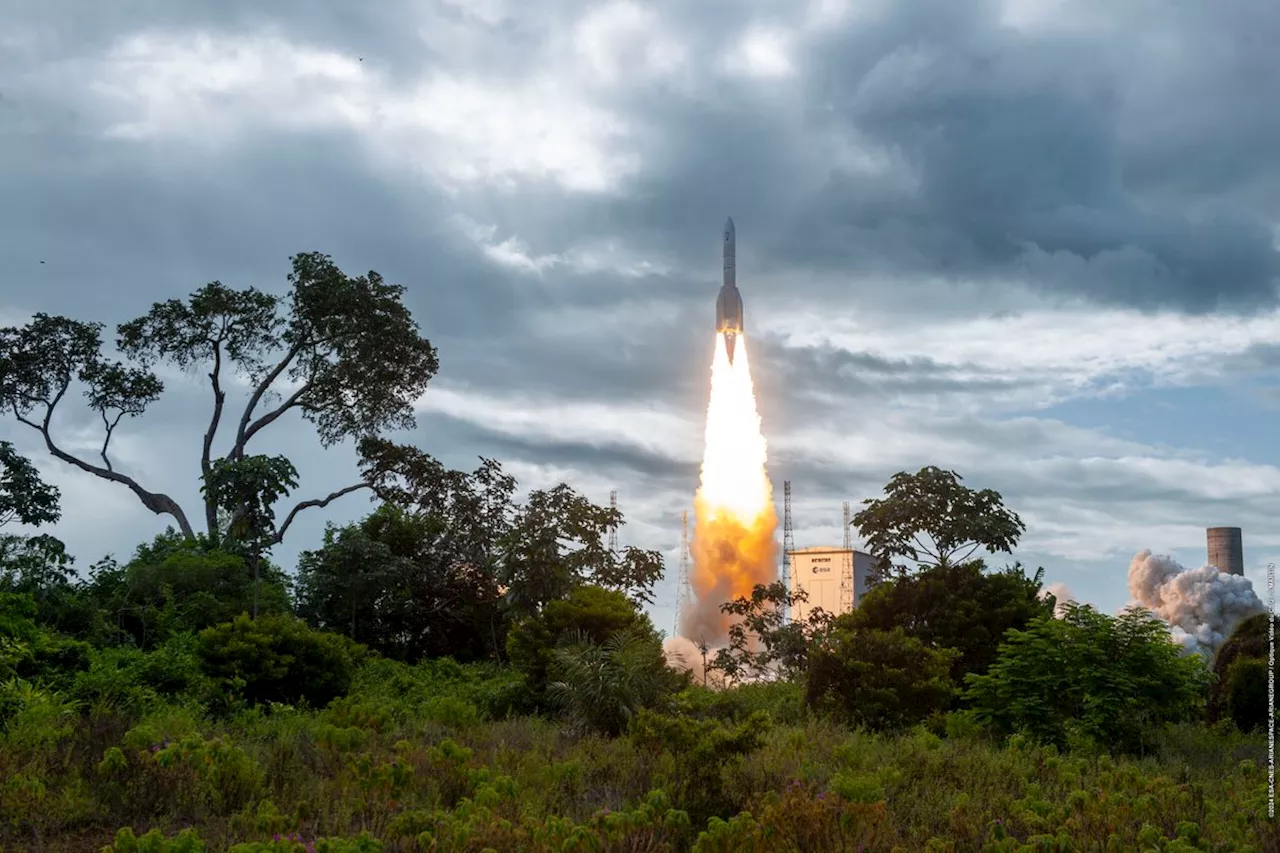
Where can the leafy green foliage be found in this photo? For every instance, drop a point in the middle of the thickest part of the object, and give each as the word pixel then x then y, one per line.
pixel 248 487
pixel 763 645
pixel 931 519
pixel 957 607
pixel 30 651
pixel 1246 693
pixel 417 691
pixel 278 659
pixel 1249 640
pixel 589 614
pixel 1090 677
pixel 24 496
pixel 701 751
pixel 410 585
pixel 538 550
pixel 175 585
pixel 878 679
pixel 601 686
pixel 798 818
pixel 132 680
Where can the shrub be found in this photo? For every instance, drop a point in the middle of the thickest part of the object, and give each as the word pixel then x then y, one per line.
pixel 799 819
pixel 878 679
pixel 589 613
pixel 700 751
pixel 599 687
pixel 1090 677
pixel 175 585
pixel 279 659
pixel 1246 693
pixel 133 680
pixel 1249 640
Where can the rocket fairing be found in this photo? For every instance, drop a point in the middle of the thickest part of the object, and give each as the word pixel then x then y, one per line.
pixel 729 301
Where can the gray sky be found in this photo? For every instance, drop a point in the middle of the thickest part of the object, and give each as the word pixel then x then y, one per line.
pixel 1033 241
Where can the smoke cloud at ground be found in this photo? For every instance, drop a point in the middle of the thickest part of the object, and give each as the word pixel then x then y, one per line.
pixel 1202 606
pixel 1062 597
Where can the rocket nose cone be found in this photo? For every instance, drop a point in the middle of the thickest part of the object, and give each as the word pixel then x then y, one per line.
pixel 728 226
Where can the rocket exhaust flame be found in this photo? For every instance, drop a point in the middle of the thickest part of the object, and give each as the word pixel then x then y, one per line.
pixel 733 545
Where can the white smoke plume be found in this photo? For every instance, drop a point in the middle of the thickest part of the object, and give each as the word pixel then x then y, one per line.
pixel 684 654
pixel 1062 597
pixel 1202 606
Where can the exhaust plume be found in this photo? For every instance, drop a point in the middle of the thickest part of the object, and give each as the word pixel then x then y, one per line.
pixel 733 543
pixel 1202 606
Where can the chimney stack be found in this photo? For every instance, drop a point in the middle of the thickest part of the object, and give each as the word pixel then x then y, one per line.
pixel 1226 552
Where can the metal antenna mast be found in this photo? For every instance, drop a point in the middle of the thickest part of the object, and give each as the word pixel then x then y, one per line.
pixel 846 571
pixel 613 528
pixel 788 543
pixel 682 580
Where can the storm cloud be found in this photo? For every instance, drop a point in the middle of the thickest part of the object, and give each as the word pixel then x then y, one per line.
pixel 954 220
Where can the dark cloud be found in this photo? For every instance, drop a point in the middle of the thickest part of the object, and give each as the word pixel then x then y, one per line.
pixel 1131 163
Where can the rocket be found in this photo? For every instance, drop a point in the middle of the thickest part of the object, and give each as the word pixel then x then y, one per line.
pixel 729 302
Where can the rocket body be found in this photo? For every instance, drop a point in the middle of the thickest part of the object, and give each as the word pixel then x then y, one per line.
pixel 729 300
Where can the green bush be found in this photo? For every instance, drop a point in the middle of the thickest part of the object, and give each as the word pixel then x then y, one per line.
pixel 878 679
pixel 1249 640
pixel 176 585
pixel 132 679
pixel 496 692
pixel 700 751
pixel 783 701
pixel 589 612
pixel 1246 693
pixel 31 651
pixel 1090 678
pixel 278 659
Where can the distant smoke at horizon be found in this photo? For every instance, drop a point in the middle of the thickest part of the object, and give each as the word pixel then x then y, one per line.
pixel 1061 594
pixel 1202 606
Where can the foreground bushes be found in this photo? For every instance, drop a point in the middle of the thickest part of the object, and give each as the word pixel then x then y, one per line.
pixel 373 772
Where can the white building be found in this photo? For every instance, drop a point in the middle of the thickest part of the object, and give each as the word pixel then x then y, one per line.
pixel 820 571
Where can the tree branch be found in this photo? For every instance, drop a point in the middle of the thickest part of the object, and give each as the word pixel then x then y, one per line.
pixel 110 426
pixel 267 419
pixel 279 537
pixel 219 397
pixel 915 537
pixel 158 503
pixel 238 451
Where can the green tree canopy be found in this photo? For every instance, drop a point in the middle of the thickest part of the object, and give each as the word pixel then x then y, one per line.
pixel 958 607
pixel 878 679
pixel 1232 686
pixel 931 519
pixel 408 585
pixel 25 498
pixel 174 584
pixel 1111 680
pixel 539 549
pixel 341 351
pixel 763 645
pixel 588 615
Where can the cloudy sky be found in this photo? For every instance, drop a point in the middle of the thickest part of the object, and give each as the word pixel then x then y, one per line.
pixel 1033 241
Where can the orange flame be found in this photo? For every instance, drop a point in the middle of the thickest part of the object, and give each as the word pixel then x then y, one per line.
pixel 733 544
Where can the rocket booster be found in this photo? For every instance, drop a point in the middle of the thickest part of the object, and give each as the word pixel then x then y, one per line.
pixel 729 301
